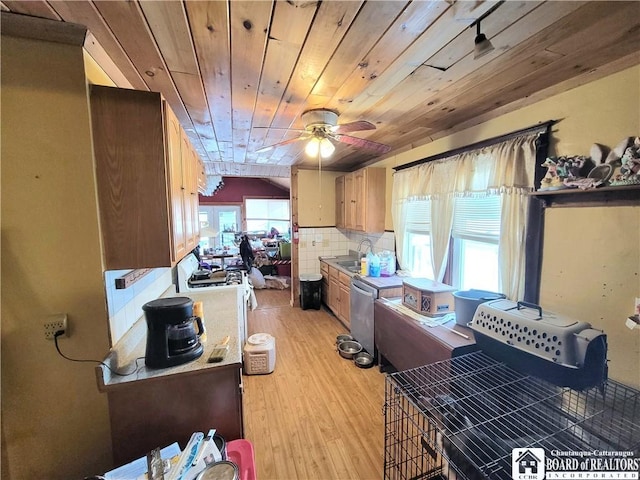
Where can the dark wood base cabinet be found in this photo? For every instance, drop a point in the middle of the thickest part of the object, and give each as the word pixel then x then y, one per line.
pixel 157 412
pixel 405 343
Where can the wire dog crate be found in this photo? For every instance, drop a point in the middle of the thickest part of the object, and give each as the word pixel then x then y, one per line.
pixel 461 418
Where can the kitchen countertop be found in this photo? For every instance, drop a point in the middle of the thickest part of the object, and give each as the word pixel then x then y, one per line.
pixel 220 319
pixel 380 283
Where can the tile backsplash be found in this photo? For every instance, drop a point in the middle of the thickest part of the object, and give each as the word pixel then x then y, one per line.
pixel 327 241
pixel 125 305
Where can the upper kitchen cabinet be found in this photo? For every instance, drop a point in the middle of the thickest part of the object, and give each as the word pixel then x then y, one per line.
pixel 360 200
pixel 146 174
pixel 190 166
pixel 340 205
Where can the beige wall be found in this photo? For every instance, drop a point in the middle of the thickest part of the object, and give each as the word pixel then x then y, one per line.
pixel 55 423
pixel 591 260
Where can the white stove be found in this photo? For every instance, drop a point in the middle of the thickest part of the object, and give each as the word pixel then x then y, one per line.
pixel 216 281
pixel 192 278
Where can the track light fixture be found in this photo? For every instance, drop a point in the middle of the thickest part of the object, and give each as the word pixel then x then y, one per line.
pixel 482 43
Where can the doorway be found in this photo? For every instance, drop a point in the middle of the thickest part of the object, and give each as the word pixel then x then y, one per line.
pixel 218 225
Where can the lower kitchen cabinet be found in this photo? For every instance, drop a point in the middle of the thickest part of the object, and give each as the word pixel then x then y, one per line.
pixel 324 270
pixel 405 343
pixel 157 412
pixel 344 295
pixel 339 292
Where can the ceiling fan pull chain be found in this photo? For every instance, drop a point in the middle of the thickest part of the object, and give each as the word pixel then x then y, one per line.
pixel 320 183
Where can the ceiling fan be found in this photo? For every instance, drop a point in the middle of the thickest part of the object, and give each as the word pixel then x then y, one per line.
pixel 321 128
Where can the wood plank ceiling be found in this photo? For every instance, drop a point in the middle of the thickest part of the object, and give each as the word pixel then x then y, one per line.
pixel 230 68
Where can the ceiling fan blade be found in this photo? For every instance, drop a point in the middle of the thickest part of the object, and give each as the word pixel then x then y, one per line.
pixel 281 128
pixel 379 148
pixel 353 127
pixel 279 144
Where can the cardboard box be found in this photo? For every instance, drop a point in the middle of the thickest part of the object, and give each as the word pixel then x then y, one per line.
pixel 427 297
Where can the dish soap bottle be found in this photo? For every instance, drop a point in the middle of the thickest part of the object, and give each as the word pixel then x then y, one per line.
pixel 364 266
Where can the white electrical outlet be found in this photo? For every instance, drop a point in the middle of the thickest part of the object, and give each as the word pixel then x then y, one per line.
pixel 54 324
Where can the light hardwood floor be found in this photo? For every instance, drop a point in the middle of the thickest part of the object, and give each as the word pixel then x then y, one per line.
pixel 317 416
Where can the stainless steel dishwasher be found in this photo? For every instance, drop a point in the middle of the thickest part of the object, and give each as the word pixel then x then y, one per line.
pixel 361 313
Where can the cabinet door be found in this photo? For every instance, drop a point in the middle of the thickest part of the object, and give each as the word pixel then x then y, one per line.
pixel 345 303
pixel 359 203
pixel 195 202
pixel 340 205
pixel 176 193
pixel 349 203
pixel 334 290
pixel 324 270
pixel 190 193
pixel 132 175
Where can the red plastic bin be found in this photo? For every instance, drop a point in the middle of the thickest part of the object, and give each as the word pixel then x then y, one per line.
pixel 240 452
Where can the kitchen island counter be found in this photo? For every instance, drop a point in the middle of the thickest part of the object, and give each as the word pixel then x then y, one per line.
pixel 155 407
pixel 220 319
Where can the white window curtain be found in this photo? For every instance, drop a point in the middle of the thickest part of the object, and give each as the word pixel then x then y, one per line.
pixel 505 169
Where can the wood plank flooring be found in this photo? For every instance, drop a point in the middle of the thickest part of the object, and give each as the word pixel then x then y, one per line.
pixel 317 416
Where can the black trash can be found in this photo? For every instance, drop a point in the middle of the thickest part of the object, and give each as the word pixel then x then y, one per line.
pixel 310 291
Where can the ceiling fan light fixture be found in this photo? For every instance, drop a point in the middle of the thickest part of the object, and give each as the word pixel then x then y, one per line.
pixel 312 148
pixel 326 148
pixel 482 44
pixel 316 145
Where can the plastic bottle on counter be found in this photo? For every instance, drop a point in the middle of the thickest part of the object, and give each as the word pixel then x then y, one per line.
pixel 364 266
pixel 374 266
pixel 387 263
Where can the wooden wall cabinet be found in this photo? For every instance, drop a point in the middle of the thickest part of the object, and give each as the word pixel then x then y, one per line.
pixel 340 203
pixel 146 172
pixel 360 200
pixel 189 159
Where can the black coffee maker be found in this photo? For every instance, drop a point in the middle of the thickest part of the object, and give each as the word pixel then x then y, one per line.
pixel 172 337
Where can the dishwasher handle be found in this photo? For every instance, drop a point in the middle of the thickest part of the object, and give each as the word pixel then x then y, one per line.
pixel 362 291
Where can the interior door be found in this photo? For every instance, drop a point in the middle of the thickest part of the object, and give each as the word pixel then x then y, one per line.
pixel 219 224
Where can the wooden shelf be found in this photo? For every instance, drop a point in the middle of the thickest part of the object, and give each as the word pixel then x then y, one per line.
pixel 622 195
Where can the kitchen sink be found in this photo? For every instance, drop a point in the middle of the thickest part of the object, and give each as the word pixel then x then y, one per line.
pixel 352 266
pixel 349 263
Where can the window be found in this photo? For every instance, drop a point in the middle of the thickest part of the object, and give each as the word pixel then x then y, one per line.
pixel 476 236
pixel 490 181
pixel 263 215
pixel 474 249
pixel 418 238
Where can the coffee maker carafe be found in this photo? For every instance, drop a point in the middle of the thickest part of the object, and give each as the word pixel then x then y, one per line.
pixel 172 337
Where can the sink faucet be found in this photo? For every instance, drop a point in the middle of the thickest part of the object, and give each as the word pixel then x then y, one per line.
pixel 363 241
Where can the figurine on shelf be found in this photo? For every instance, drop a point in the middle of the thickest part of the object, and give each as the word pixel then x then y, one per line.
pixel 551 180
pixel 574 166
pixel 629 173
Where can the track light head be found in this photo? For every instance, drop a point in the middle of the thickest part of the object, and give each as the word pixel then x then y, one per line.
pixel 482 44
